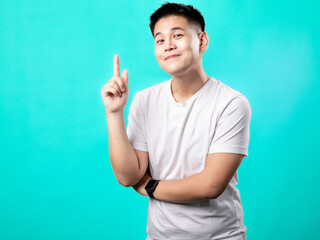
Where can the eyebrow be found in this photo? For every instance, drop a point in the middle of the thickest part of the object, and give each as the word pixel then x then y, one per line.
pixel 174 28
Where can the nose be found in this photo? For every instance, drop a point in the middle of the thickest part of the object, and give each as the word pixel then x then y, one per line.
pixel 169 45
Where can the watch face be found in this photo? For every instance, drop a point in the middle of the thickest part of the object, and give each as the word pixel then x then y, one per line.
pixel 150 184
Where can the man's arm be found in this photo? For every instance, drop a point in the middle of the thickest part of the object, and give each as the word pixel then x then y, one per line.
pixel 207 184
pixel 128 165
pixel 231 134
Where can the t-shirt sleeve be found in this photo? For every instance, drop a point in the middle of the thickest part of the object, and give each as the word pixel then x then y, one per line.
pixel 136 125
pixel 233 127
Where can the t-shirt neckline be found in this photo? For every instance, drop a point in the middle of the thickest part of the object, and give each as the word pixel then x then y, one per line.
pixel 189 99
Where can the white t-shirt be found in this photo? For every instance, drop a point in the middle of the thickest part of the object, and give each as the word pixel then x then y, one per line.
pixel 178 138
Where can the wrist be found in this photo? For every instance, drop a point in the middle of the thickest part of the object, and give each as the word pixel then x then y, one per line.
pixel 151 187
pixel 115 115
pixel 156 193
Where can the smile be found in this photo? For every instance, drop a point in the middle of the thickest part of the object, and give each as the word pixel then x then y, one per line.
pixel 172 57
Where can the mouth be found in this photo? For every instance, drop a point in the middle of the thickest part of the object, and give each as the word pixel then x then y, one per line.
pixel 171 57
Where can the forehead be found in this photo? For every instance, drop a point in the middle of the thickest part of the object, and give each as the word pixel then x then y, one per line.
pixel 165 24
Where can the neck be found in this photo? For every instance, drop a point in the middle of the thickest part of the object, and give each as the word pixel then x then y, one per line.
pixel 184 86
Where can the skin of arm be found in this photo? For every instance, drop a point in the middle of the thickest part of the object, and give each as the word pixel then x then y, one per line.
pixel 129 165
pixel 210 183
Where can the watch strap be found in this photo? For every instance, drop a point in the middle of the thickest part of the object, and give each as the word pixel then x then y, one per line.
pixel 151 187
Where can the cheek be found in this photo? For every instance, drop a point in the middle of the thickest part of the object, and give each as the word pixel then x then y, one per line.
pixel 189 47
pixel 159 56
pixel 189 53
pixel 194 46
pixel 157 53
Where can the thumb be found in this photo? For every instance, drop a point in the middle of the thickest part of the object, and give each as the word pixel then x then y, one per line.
pixel 124 76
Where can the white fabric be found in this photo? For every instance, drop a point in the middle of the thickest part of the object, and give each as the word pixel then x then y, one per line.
pixel 178 138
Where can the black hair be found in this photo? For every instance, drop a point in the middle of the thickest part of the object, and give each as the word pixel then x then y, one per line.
pixel 167 9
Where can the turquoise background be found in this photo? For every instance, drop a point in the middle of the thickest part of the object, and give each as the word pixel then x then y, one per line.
pixel 56 181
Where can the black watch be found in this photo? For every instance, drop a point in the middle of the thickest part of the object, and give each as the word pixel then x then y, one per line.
pixel 151 186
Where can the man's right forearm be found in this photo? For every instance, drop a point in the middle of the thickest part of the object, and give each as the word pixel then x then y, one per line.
pixel 124 161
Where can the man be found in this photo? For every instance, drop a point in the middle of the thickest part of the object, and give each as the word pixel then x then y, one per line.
pixel 185 139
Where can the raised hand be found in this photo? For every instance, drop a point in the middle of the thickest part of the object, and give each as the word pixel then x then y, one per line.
pixel 116 91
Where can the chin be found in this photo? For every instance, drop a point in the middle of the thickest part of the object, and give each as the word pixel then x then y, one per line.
pixel 175 70
pixel 176 73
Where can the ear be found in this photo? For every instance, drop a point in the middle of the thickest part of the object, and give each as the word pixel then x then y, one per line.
pixel 204 41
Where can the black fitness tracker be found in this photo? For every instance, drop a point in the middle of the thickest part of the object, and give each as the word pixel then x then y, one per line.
pixel 151 186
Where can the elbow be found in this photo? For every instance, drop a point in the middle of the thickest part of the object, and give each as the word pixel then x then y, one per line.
pixel 214 192
pixel 212 195
pixel 125 182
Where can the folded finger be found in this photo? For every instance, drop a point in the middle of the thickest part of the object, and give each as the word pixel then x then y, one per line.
pixel 122 86
pixel 111 91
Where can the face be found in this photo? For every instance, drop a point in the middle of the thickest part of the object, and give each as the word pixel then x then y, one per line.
pixel 178 46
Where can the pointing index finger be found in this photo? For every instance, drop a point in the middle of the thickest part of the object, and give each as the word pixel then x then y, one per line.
pixel 116 66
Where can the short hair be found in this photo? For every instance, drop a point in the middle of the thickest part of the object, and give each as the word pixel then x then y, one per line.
pixel 177 9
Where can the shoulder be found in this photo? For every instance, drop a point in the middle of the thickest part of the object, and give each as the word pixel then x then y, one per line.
pixel 227 97
pixel 153 89
pixel 152 93
pixel 225 91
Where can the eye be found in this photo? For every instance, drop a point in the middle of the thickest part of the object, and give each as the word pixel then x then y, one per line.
pixel 177 35
pixel 159 41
